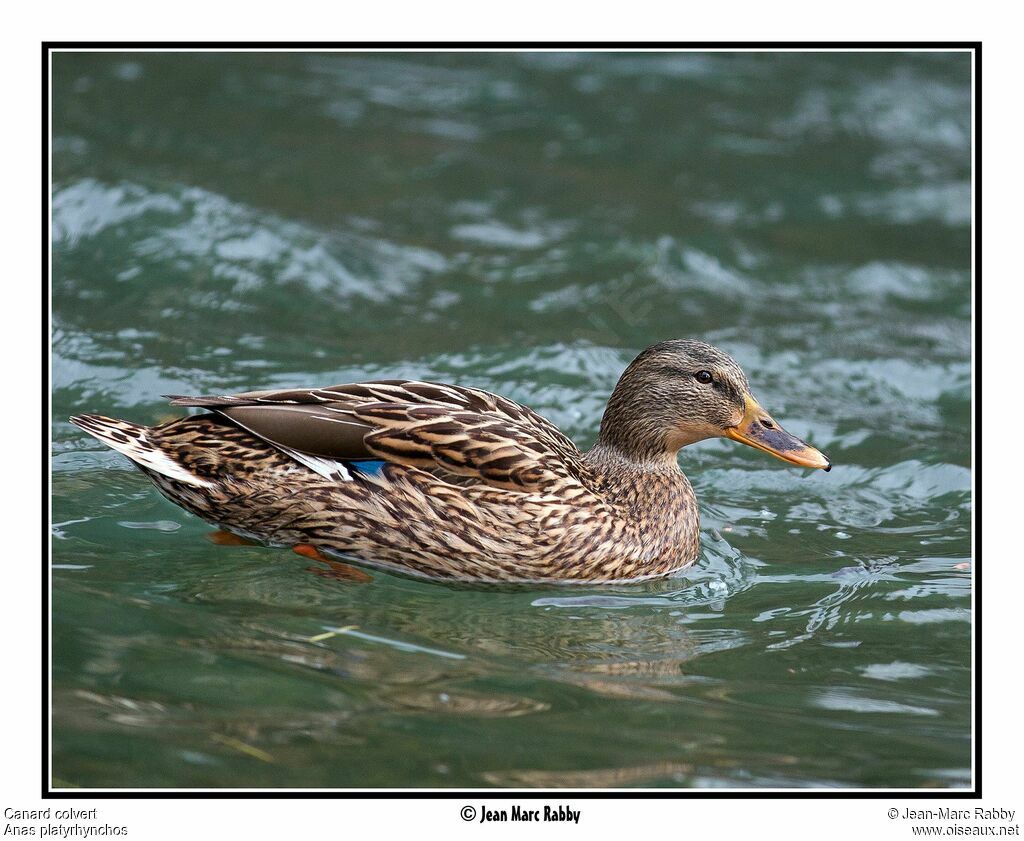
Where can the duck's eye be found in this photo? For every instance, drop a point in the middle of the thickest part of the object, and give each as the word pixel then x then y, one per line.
pixel 704 377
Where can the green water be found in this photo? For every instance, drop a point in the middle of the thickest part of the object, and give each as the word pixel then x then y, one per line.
pixel 522 223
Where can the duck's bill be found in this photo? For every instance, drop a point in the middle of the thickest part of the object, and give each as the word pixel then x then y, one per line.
pixel 758 430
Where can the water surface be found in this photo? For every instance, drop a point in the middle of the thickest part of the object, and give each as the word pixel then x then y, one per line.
pixel 525 223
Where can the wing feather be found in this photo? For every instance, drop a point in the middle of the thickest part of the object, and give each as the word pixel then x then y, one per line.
pixel 467 433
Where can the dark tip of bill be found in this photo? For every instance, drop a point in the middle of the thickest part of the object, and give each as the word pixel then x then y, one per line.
pixel 829 467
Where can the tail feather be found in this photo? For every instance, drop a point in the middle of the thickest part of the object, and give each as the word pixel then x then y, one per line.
pixel 132 440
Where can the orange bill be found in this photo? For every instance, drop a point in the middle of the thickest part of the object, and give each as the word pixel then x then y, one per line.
pixel 760 431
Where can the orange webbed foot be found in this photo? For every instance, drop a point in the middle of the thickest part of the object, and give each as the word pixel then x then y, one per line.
pixel 226 538
pixel 337 570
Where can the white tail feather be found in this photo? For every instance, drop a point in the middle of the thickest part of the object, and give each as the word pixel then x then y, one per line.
pixel 130 439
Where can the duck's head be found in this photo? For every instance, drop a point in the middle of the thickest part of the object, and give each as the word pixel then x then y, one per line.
pixel 679 392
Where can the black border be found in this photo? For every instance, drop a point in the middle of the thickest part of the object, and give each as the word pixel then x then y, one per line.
pixel 498 794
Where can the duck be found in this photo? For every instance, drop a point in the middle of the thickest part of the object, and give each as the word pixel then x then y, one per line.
pixel 451 483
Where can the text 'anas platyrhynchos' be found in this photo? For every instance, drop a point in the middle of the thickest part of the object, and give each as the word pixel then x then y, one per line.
pixel 456 483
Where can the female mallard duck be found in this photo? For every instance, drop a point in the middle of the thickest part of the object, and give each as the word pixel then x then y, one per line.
pixel 449 482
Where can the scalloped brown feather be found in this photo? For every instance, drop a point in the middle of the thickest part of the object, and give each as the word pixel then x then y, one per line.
pixel 465 432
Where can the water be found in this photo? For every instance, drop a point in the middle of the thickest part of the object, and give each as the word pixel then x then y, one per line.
pixel 523 223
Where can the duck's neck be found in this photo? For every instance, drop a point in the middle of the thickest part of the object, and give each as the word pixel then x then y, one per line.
pixel 635 460
pixel 607 458
pixel 640 484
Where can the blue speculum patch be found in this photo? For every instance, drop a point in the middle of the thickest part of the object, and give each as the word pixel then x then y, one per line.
pixel 368 467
